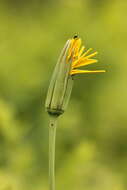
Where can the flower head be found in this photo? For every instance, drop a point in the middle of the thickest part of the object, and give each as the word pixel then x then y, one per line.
pixel 80 57
pixel 71 58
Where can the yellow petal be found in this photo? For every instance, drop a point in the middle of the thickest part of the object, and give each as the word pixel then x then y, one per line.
pixel 77 47
pixel 85 53
pixel 91 55
pixel 83 62
pixel 81 51
pixel 77 71
pixel 74 47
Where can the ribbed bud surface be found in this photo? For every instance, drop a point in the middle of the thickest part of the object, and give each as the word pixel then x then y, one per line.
pixel 61 84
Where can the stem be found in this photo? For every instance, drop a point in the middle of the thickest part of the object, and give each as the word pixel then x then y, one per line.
pixel 52 136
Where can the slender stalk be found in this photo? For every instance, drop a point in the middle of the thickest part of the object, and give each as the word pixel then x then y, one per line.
pixel 52 136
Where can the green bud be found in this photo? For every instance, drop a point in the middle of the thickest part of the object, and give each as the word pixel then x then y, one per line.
pixel 61 84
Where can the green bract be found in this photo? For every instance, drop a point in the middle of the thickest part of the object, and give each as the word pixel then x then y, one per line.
pixel 61 84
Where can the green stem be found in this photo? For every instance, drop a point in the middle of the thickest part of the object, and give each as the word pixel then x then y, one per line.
pixel 52 136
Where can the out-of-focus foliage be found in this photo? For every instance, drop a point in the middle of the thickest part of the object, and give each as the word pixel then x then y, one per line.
pixel 91 148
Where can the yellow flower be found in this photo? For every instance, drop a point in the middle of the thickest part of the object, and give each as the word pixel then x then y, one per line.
pixel 80 57
pixel 72 57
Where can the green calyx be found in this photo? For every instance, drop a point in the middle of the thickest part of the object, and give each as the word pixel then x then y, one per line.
pixel 61 84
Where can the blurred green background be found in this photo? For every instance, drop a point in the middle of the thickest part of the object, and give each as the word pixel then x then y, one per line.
pixel 91 147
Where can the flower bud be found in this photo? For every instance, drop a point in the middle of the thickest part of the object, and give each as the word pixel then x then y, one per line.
pixel 61 84
pixel 73 56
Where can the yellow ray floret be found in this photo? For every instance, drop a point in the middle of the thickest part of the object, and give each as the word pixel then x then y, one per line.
pixel 77 71
pixel 80 57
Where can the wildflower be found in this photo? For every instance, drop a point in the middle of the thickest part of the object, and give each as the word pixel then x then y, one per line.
pixel 73 56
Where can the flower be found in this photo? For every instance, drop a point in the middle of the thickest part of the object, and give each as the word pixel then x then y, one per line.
pixel 80 57
pixel 72 57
